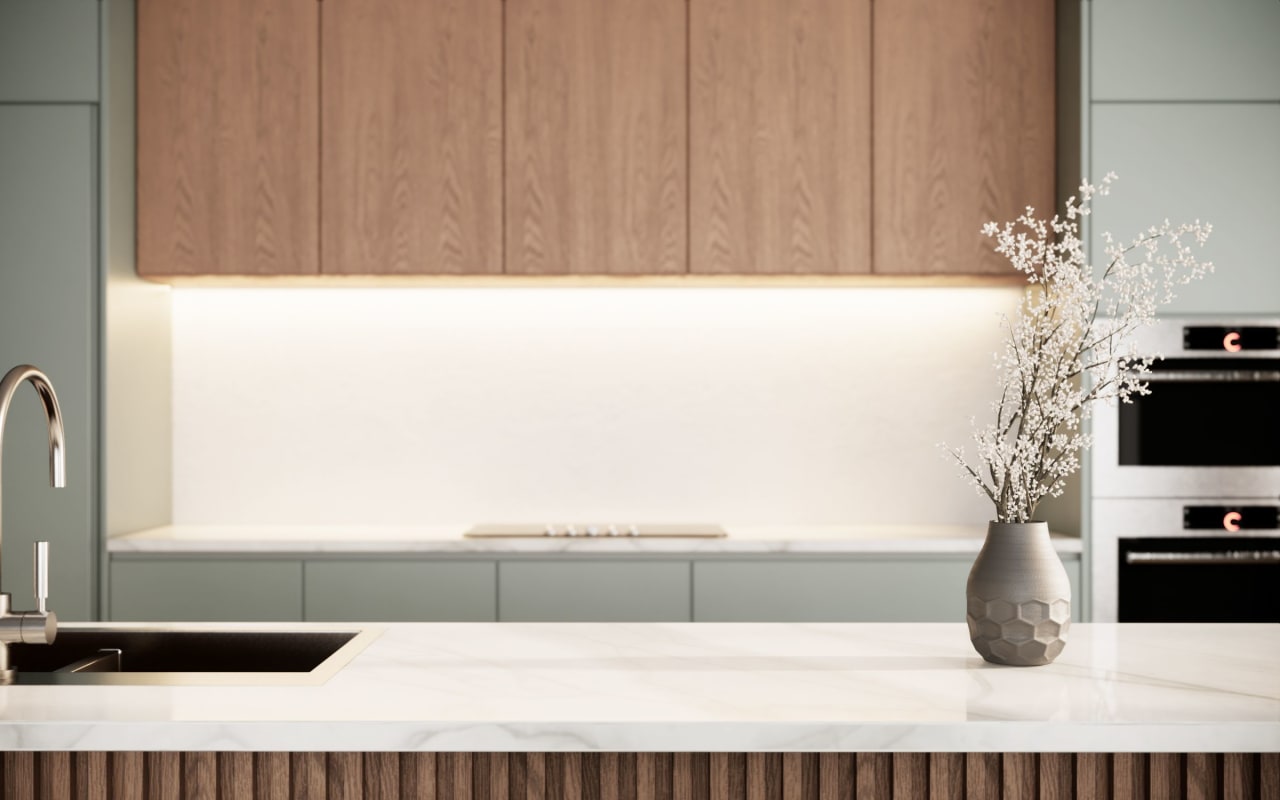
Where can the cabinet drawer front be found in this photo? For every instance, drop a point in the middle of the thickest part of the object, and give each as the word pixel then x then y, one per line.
pixel 593 591
pixel 49 51
pixel 401 591
pixel 831 591
pixel 198 590
pixel 1178 50
pixel 866 590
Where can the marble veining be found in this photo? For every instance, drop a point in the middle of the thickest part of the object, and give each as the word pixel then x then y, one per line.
pixel 704 687
pixel 741 539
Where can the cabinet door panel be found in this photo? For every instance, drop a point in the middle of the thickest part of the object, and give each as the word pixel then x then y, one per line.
pixel 1185 50
pixel 198 590
pixel 964 128
pixel 401 591
pixel 596 146
pixel 863 590
pixel 1218 162
pixel 48 291
pixel 780 136
pixel 412 144
pixel 593 591
pixel 49 51
pixel 228 148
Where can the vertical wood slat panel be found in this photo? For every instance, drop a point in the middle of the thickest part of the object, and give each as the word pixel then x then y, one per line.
pixel 873 772
pixel 308 777
pixel 344 776
pixel 646 776
pixel 127 775
pixel 632 776
pixel 1165 776
pixel 1019 776
pixel 836 776
pixel 381 776
pixel 910 776
pixel 628 777
pixel 268 775
pixel 591 776
pixel 1203 776
pixel 982 776
pixel 1269 776
pixel 19 776
pixel 946 776
pixel 199 776
pixel 164 775
pixel 535 777
pixel 664 773
pixel 1057 773
pixel 1093 776
pixel 1240 776
pixel 418 775
pixel 1129 773
pixel 90 776
pixel 792 777
pixel 236 778
pixel 54 774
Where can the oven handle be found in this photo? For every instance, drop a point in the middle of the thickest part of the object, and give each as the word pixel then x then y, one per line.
pixel 1229 557
pixel 1213 375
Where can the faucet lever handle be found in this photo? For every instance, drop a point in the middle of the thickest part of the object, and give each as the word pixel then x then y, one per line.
pixel 42 576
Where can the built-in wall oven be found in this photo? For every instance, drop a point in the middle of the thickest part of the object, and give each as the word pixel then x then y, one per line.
pixel 1185 481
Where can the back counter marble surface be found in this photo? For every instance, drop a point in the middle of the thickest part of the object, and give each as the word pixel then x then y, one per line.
pixel 741 539
pixel 703 687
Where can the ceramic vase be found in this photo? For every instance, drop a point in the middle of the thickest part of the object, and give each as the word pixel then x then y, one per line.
pixel 1019 597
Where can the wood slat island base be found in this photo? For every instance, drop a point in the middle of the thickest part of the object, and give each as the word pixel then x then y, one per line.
pixel 637 776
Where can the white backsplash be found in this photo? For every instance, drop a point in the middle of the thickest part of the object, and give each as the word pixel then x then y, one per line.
pixel 426 406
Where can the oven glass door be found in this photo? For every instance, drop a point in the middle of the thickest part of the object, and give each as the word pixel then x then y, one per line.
pixel 1210 579
pixel 1204 412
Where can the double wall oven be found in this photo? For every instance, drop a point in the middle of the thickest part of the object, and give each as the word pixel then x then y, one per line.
pixel 1185 481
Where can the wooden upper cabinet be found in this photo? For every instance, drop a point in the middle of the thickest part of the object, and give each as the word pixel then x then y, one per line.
pixel 596 136
pixel 964 128
pixel 227 139
pixel 411 153
pixel 780 136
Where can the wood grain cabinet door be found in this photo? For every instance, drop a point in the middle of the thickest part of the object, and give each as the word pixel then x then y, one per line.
pixel 411 153
pixel 964 128
pixel 596 136
pixel 227 143
pixel 780 136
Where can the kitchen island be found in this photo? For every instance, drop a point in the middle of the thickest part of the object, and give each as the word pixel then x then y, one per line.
pixel 697 702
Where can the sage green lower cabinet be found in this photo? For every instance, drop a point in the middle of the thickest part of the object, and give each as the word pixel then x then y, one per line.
pixel 594 591
pixel 400 591
pixel 206 590
pixel 865 589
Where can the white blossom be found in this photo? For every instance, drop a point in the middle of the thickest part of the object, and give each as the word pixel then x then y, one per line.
pixel 1070 345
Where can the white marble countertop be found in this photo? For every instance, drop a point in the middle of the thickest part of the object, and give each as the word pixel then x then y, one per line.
pixel 703 687
pixel 741 539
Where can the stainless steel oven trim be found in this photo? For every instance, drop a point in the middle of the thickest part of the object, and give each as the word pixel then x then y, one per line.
pixel 1109 479
pixel 1113 519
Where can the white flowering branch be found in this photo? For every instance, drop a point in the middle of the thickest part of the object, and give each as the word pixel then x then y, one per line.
pixel 1069 346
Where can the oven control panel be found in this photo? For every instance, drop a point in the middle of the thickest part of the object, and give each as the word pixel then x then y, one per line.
pixel 1230 340
pixel 1231 518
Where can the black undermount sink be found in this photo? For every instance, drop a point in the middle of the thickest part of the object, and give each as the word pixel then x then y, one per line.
pixel 164 656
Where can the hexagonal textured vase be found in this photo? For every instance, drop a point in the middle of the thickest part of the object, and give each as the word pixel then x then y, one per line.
pixel 1019 597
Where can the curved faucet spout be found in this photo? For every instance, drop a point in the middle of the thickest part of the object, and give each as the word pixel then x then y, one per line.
pixel 49 399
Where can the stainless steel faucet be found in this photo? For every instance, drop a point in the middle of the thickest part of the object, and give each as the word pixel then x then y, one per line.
pixel 39 626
